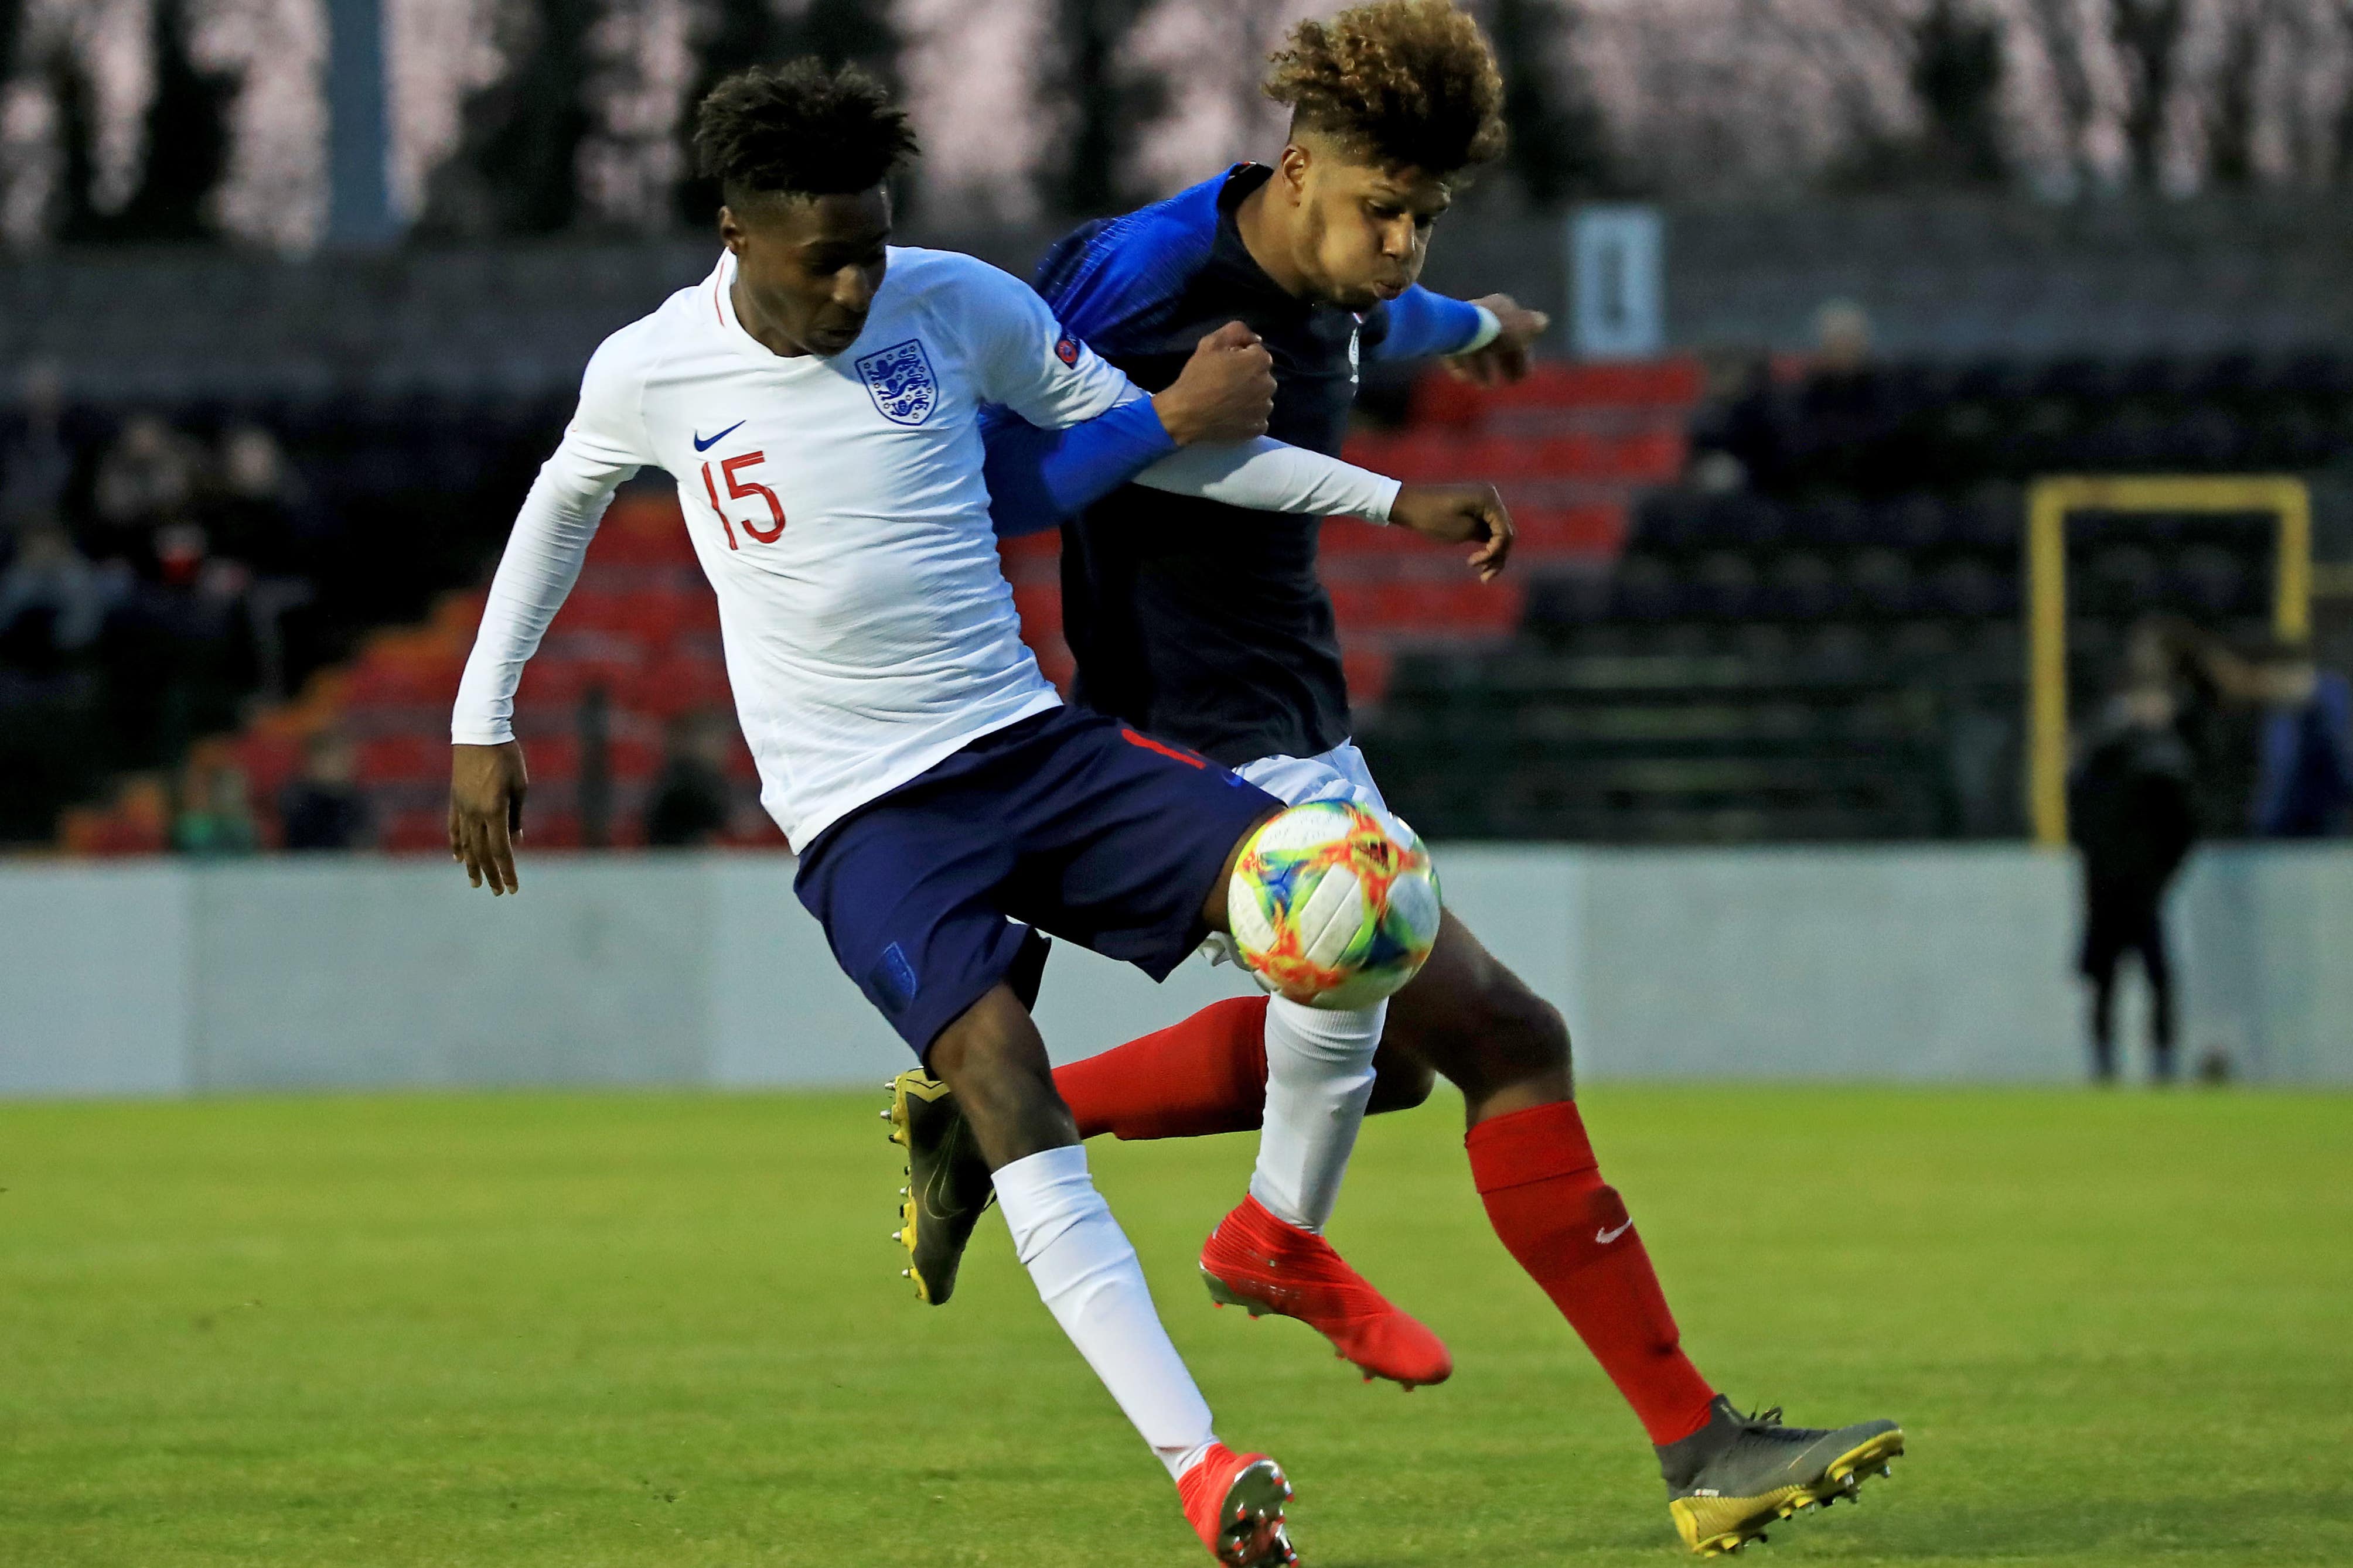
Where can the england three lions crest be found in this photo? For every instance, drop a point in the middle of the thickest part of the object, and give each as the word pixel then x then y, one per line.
pixel 900 380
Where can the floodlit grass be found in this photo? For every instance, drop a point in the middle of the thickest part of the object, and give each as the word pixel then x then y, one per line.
pixel 668 1330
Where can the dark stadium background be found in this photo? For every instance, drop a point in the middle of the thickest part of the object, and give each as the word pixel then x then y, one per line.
pixel 1761 599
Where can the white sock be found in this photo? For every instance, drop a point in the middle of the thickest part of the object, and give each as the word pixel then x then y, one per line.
pixel 1319 1073
pixel 1086 1271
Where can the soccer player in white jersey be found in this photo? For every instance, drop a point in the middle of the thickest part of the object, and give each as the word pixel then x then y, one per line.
pixel 815 398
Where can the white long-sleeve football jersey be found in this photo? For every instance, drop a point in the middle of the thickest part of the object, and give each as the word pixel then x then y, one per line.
pixel 837 507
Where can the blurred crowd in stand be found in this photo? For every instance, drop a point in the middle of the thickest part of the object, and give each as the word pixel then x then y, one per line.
pixel 146 580
pixel 169 571
pixel 693 802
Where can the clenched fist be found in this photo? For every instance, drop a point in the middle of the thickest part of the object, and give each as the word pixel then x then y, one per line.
pixel 1226 391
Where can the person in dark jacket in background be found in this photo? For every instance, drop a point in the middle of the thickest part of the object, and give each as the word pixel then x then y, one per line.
pixel 323 808
pixel 692 800
pixel 2303 771
pixel 2133 812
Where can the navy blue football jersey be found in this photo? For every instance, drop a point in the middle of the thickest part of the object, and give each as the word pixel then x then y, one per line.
pixel 1192 619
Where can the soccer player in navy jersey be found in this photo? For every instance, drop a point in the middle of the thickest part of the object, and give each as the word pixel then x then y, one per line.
pixel 1207 625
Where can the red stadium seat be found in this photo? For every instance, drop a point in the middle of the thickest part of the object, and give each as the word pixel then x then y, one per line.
pixel 555 756
pixel 404 759
pixel 1653 456
pixel 1040 607
pixel 550 681
pixel 679 683
pixel 269 760
pixel 1595 528
pixel 417 833
pixel 632 759
pixel 1054 660
pixel 1366 665
pixel 1441 400
pixel 1422 604
pixel 1345 538
pixel 644 529
pixel 1029 549
pixel 402 681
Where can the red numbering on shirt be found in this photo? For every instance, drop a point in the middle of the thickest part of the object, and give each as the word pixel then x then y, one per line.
pixel 738 490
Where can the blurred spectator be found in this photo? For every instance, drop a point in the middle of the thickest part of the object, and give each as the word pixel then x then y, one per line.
pixel 36 463
pixel 322 808
pixel 692 802
pixel 214 815
pixel 1735 435
pixel 1828 432
pixel 1732 428
pixel 2304 779
pixel 1845 409
pixel 248 515
pixel 1843 339
pixel 2210 713
pixel 144 485
pixel 53 603
pixel 2132 812
pixel 248 510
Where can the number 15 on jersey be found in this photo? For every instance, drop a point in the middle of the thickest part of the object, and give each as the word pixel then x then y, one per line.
pixel 740 489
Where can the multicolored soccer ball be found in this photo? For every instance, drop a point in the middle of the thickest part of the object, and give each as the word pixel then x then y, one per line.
pixel 1334 905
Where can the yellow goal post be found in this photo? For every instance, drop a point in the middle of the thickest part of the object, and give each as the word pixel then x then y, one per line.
pixel 2049 503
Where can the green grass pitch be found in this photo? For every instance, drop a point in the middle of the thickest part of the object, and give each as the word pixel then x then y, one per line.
pixel 668 1330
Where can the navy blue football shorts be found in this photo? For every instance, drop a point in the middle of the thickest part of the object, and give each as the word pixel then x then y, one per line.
pixel 1066 822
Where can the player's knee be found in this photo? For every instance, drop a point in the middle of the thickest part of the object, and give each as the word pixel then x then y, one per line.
pixel 1399 1083
pixel 1521 1036
pixel 992 1057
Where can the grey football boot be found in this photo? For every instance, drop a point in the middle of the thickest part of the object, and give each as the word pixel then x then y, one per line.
pixel 948 1184
pixel 1736 1474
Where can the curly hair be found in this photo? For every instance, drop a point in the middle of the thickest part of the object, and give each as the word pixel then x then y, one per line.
pixel 800 130
pixel 1412 82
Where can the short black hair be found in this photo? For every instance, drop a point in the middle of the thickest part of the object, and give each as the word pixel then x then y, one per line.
pixel 800 130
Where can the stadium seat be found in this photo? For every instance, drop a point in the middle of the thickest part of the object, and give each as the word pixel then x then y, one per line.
pixel 405 759
pixel 1884 584
pixel 1723 586
pixel 1802 586
pixel 677 684
pixel 1645 588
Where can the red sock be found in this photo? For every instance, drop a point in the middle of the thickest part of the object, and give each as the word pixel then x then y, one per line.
pixel 1205 1074
pixel 1546 1198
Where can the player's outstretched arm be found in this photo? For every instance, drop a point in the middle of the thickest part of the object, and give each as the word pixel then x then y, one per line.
pixel 1504 358
pixel 604 444
pixel 1484 340
pixel 1459 514
pixel 1039 479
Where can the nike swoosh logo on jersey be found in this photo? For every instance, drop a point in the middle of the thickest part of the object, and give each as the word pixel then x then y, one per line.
pixel 702 446
pixel 1606 1236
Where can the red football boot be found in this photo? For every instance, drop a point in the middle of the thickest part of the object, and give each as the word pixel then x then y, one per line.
pixel 1235 1503
pixel 1255 1261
